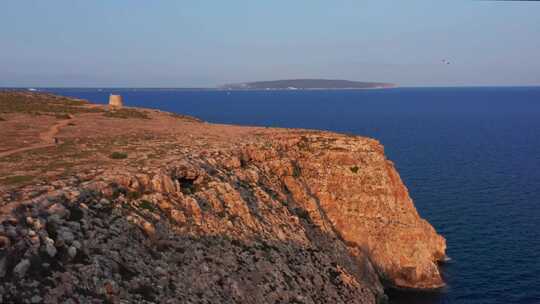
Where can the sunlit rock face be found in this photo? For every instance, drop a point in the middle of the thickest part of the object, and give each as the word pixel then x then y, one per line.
pixel 351 187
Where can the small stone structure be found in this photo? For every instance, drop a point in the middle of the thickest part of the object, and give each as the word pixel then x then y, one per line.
pixel 115 101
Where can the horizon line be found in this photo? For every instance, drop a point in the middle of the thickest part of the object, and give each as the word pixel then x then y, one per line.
pixel 262 89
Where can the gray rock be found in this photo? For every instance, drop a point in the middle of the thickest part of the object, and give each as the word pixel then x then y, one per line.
pixel 59 243
pixel 35 212
pixel 51 250
pixel 48 240
pixel 74 225
pixel 59 210
pixel 35 241
pixel 72 251
pixel 33 284
pixel 77 245
pixel 45 203
pixel 3 263
pixel 55 219
pixel 38 224
pixel 23 232
pixel 66 235
pixel 11 232
pixel 21 268
pixel 161 271
pixel 36 299
pixel 29 220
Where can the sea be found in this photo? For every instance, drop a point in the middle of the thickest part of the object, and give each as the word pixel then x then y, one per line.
pixel 470 157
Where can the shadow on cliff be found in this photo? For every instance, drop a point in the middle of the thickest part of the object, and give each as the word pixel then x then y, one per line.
pixel 195 268
pixel 268 271
pixel 405 296
pixel 322 268
pixel 397 296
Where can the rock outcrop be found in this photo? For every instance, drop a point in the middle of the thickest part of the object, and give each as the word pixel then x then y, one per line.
pixel 291 217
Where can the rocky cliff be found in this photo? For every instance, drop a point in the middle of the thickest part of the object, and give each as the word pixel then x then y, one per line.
pixel 223 214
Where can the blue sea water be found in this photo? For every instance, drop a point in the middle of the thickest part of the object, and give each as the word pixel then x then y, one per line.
pixel 469 156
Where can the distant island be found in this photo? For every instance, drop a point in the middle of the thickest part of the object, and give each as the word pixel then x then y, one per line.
pixel 306 84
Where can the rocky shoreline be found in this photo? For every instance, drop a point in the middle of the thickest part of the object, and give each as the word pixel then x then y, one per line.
pixel 206 213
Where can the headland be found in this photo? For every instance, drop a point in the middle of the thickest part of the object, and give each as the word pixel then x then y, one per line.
pixel 145 206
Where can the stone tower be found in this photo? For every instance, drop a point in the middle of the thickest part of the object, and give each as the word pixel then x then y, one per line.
pixel 115 101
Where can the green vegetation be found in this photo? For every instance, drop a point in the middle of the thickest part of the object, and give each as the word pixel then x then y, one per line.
pixel 126 113
pixel 354 169
pixel 185 117
pixel 40 103
pixel 133 195
pixel 16 179
pixel 296 170
pixel 147 205
pixel 56 165
pixel 62 116
pixel 119 155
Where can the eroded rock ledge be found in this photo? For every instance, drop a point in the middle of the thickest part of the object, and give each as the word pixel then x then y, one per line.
pixel 299 217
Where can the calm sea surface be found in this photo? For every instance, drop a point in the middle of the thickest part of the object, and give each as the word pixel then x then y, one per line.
pixel 469 156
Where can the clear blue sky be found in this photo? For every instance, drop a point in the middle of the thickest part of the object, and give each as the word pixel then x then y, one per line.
pixel 205 43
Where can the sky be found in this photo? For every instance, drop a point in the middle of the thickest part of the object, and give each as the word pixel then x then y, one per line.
pixel 198 43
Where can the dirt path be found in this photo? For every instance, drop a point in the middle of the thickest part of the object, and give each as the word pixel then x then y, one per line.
pixel 47 139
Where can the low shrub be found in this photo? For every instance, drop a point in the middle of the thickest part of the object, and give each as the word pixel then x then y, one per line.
pixel 119 155
pixel 16 179
pixel 41 103
pixel 354 169
pixel 133 195
pixel 296 170
pixel 126 113
pixel 62 116
pixel 147 205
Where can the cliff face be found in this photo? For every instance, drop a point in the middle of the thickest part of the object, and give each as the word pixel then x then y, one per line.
pixel 354 187
pixel 347 186
pixel 279 216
